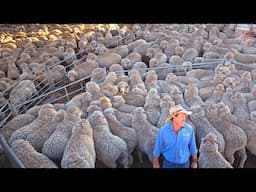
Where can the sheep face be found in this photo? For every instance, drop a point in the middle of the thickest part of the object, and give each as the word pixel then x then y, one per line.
pixel 105 102
pixel 47 114
pixel 209 143
pixel 123 87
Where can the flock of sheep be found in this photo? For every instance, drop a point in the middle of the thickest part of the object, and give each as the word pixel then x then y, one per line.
pixel 137 72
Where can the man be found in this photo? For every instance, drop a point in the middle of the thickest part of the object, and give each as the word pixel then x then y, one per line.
pixel 176 141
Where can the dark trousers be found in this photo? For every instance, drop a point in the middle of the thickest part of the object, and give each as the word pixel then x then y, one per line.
pixel 168 164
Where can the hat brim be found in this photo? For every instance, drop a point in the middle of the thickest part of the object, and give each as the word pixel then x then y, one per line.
pixel 182 111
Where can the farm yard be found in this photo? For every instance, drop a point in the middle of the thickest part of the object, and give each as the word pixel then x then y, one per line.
pixel 95 95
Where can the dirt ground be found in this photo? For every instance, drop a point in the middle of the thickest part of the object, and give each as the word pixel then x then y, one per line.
pixel 250 162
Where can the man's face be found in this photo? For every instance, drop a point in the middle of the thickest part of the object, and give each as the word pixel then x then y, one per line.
pixel 180 119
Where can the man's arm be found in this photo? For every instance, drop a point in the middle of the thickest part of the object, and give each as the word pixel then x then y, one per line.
pixel 156 162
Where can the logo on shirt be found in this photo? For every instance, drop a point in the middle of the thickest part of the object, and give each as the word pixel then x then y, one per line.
pixel 186 134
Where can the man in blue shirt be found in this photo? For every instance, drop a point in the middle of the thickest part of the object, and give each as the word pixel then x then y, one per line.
pixel 176 141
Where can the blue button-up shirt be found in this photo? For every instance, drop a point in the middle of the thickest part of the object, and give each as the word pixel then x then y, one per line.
pixel 176 148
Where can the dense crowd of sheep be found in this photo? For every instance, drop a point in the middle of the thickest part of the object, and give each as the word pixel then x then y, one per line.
pixel 137 72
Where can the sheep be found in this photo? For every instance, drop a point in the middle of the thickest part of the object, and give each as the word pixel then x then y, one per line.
pixel 249 128
pixel 26 72
pixel 240 108
pixel 158 59
pixel 152 106
pixel 93 106
pixel 151 80
pixel 209 156
pixel 251 105
pixel 175 60
pixel 165 104
pixel 108 59
pixel 117 68
pixel 235 138
pixel 204 127
pixel 82 70
pixel 190 54
pixel 122 50
pixel 253 115
pixel 13 72
pixel 39 136
pixel 108 87
pixel 34 110
pixel 165 86
pixel 198 73
pixel 128 134
pixel 244 57
pixel 118 103
pixel 130 60
pixel 226 98
pixel 217 93
pixel 29 156
pixel 16 123
pixel 136 97
pixel 54 146
pixel 146 134
pixel 22 91
pixel 94 89
pixel 53 75
pixel 80 100
pixel 245 81
pixel 172 78
pixel 81 142
pixel 98 74
pixel 191 96
pixel 123 88
pixel 109 148
pixel 104 102
pixel 45 115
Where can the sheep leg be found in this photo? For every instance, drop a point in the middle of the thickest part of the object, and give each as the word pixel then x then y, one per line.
pixel 230 158
pixel 139 155
pixel 243 155
pixel 124 160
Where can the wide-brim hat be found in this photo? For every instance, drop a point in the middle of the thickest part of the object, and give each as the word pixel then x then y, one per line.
pixel 175 110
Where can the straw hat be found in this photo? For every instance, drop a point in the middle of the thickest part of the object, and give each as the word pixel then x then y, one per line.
pixel 175 110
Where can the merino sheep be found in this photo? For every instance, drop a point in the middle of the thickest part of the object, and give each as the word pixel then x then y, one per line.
pixel 136 97
pixel 82 70
pixel 152 106
pixel 54 146
pixel 110 149
pixel 39 136
pixel 136 81
pixel 118 102
pixel 240 108
pixel 128 134
pixel 235 138
pixel 123 88
pixel 191 96
pixel 130 60
pixel 204 127
pixel 81 142
pixel 165 104
pixel 15 124
pixel 30 157
pixel 151 80
pixel 13 72
pixel 45 115
pixel 146 133
pixel 209 156
pixel 108 59
pixel 108 87
pixel 94 89
pixel 98 74
pixel 22 91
